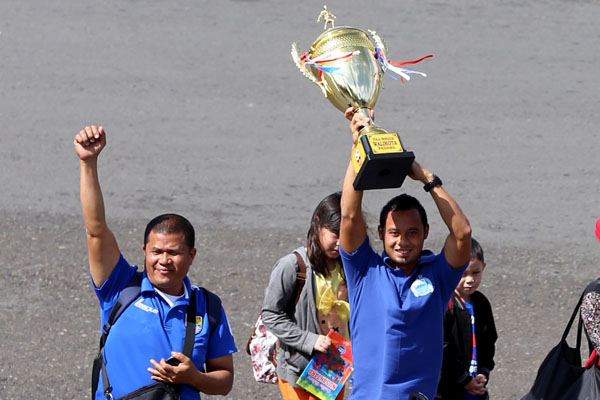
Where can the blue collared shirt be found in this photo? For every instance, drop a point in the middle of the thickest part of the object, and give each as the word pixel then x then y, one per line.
pixel 396 322
pixel 151 328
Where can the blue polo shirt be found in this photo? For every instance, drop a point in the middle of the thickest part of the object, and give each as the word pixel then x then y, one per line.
pixel 151 328
pixel 396 322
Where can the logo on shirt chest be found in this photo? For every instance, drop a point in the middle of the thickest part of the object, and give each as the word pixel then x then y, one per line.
pixel 421 286
pixel 139 304
pixel 198 324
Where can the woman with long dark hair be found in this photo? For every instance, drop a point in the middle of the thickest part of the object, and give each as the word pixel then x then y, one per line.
pixel 322 304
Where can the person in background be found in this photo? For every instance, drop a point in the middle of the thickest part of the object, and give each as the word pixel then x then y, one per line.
pixel 469 336
pixel 322 304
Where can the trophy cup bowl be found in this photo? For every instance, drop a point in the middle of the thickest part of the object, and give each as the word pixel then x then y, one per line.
pixel 357 79
pixel 342 62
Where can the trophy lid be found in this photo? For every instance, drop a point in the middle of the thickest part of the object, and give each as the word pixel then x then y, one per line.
pixel 340 37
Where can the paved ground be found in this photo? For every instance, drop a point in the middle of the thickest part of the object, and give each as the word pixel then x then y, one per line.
pixel 207 116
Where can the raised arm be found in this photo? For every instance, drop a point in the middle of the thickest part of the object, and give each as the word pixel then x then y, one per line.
pixel 103 251
pixel 353 231
pixel 457 247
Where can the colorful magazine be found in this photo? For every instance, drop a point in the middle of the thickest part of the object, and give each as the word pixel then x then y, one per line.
pixel 326 373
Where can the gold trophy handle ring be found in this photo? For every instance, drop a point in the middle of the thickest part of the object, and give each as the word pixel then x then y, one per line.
pixel 297 57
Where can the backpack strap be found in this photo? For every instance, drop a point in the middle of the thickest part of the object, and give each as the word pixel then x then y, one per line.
pixel 300 277
pixel 126 297
pixel 130 292
pixel 300 280
pixel 213 308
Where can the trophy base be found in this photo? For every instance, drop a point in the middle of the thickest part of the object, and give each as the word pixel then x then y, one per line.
pixel 380 161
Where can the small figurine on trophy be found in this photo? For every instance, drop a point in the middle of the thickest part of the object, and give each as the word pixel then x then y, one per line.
pixel 328 17
pixel 348 68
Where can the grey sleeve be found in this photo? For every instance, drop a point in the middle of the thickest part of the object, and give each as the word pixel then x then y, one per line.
pixel 278 295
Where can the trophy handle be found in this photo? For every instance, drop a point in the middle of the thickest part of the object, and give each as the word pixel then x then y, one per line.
pixel 296 55
pixel 380 44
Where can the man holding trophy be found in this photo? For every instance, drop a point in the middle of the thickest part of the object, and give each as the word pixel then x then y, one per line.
pixel 398 298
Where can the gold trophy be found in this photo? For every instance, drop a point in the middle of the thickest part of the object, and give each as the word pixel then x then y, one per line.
pixel 349 69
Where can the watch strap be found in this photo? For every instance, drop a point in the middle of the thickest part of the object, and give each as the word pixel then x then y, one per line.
pixel 436 181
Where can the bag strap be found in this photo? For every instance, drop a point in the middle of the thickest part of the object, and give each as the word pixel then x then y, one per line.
pixel 300 280
pixel 130 292
pixel 300 277
pixel 213 307
pixel 579 325
pixel 126 297
pixel 190 326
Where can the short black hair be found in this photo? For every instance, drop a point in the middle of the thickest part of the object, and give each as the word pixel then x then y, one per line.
pixel 476 250
pixel 402 202
pixel 171 223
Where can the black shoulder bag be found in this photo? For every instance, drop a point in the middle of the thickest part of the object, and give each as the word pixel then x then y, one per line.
pixel 561 375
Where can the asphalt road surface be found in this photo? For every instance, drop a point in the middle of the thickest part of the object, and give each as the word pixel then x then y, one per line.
pixel 207 116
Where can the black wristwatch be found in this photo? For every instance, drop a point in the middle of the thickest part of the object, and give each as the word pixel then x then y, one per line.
pixel 436 181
